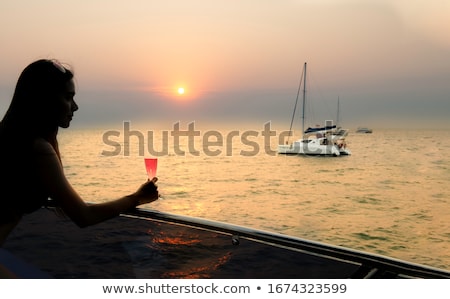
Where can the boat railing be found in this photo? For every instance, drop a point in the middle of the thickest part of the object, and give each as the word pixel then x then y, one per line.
pixel 369 263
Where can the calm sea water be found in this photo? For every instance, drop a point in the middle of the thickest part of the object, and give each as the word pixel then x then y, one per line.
pixel 390 197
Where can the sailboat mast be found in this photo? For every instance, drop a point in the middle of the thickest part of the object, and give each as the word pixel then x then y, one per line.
pixel 337 118
pixel 304 99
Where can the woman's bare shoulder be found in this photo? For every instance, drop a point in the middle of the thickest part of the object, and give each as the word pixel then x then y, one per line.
pixel 42 146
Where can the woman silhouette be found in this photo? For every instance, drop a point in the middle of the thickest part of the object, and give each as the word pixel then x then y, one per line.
pixel 32 172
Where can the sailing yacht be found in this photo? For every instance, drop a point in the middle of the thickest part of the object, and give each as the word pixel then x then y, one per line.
pixel 328 140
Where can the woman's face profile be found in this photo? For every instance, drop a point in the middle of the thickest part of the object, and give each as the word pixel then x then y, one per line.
pixel 66 105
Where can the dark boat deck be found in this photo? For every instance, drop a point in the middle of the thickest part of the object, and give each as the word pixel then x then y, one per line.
pixel 146 244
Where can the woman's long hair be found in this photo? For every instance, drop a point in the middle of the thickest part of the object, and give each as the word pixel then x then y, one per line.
pixel 33 113
pixel 33 109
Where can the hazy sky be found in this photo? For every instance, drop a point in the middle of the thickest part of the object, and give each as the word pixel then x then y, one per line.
pixel 388 61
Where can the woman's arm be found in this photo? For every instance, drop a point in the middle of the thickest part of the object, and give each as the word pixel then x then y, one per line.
pixel 53 179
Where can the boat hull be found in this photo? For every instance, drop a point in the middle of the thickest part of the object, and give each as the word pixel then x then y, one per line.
pixel 150 244
pixel 312 148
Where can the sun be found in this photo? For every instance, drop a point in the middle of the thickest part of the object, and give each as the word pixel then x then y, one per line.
pixel 180 90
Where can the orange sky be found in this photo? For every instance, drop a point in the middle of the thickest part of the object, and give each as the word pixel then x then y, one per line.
pixel 238 59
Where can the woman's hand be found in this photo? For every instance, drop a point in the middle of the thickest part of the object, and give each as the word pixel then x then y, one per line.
pixel 147 193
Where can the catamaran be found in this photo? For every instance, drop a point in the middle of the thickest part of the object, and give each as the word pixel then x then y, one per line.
pixel 327 140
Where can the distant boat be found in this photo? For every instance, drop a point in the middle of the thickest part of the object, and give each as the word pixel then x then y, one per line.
pixel 363 130
pixel 328 140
